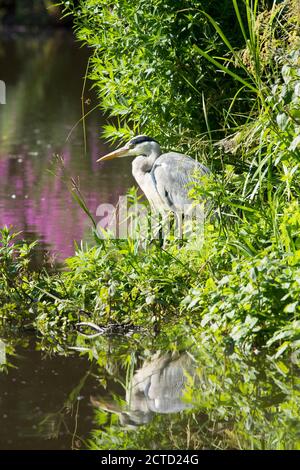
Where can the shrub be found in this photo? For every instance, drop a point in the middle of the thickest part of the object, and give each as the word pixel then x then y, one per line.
pixel 146 69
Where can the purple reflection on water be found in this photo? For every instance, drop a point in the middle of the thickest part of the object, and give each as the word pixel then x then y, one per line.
pixel 57 224
pixel 47 208
pixel 34 124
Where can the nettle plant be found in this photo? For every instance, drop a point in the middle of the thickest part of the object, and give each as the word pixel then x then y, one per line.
pixel 14 264
pixel 285 101
pixel 147 69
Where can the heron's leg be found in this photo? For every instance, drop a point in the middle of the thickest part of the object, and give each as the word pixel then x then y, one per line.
pixel 155 226
pixel 179 228
pixel 166 226
pixel 170 227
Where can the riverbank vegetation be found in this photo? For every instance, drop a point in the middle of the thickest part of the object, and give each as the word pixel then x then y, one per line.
pixel 243 285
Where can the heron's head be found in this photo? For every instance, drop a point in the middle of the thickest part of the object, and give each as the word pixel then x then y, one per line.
pixel 139 145
pixel 131 419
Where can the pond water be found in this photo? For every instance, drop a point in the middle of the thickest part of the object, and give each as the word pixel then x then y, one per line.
pixel 37 409
pixel 139 392
pixel 44 81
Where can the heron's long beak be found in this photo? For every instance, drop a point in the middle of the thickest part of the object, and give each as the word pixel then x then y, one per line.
pixel 106 405
pixel 122 152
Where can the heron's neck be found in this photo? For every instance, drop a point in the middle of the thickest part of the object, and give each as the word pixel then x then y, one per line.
pixel 144 163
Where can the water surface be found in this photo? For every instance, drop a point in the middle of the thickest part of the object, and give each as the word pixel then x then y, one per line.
pixel 43 401
pixel 44 80
pixel 138 392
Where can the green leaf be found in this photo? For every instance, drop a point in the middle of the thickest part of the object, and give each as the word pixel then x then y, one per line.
pixel 225 69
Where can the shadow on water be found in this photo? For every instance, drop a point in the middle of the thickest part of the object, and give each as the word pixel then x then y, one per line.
pixel 44 80
pixel 137 392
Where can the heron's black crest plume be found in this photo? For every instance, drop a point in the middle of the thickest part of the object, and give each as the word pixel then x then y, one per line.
pixel 142 138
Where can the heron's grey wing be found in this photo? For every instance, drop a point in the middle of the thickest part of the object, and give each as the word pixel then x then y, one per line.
pixel 168 379
pixel 172 174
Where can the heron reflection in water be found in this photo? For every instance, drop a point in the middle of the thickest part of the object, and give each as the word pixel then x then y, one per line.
pixel 157 387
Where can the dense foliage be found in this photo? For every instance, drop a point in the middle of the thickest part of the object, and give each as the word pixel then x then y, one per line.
pixel 146 66
pixel 248 301
pixel 244 282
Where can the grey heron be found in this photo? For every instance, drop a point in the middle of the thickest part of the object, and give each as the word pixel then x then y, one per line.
pixel 156 387
pixel 163 177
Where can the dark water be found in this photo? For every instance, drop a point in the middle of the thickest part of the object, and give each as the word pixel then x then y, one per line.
pixel 37 408
pixel 44 81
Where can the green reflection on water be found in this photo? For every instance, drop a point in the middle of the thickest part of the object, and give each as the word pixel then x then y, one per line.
pixel 142 392
pixel 202 399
